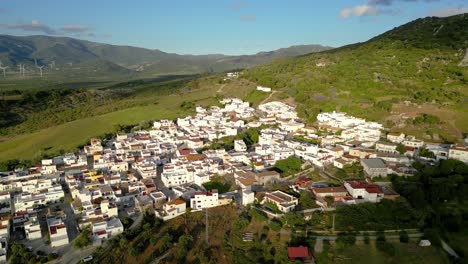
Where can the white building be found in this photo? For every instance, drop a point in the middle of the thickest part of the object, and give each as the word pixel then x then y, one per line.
pixel 263 89
pixel 396 137
pixel 369 192
pixel 239 145
pixel 32 228
pixel 58 232
pixel 4 236
pixel 247 197
pixel 459 153
pixel 106 229
pixel 278 109
pixel 201 200
pixel 173 209
pixel 285 202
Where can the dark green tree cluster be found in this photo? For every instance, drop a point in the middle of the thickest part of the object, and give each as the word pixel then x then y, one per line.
pixel 84 239
pixel 217 183
pixel 289 165
pixel 187 105
pixel 439 192
pixel 424 152
pixel 426 119
pixel 377 216
pixel 20 255
pixel 10 165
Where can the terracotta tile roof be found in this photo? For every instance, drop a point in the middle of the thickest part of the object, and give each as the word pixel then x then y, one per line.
pixel 176 202
pixel 339 189
pixel 298 252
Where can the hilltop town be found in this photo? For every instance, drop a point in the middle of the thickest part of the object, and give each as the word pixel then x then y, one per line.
pixel 226 154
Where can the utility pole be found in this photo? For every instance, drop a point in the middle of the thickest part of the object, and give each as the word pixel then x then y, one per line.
pixel 333 225
pixel 206 225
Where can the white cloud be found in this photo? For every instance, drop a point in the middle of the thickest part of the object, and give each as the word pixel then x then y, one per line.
pixel 445 12
pixel 76 28
pixel 360 10
pixel 34 26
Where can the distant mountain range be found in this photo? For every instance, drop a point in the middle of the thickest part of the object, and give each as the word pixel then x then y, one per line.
pixel 97 58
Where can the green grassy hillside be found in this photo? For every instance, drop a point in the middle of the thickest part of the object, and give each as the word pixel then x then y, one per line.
pixel 418 62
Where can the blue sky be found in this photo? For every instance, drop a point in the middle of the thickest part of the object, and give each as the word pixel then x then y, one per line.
pixel 217 26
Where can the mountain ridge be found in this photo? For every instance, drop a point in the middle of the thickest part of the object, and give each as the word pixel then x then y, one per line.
pixel 65 50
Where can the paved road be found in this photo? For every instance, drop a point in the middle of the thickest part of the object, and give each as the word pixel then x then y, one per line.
pixel 370 237
pixel 70 221
pixel 158 259
pixel 315 210
pixel 327 175
pixel 73 256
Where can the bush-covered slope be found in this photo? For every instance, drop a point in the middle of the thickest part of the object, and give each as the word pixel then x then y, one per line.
pixel 418 61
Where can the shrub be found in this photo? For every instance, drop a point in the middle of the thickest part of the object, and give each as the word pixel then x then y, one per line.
pixel 404 238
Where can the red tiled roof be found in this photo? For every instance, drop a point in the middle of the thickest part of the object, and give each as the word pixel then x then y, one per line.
pixel 184 152
pixel 176 202
pixel 101 232
pixel 373 190
pixel 53 230
pixel 298 252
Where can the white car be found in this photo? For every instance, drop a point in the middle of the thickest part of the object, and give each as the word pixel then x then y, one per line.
pixel 88 259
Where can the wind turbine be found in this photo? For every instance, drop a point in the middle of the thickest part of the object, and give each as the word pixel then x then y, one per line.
pixel 52 65
pixel 3 69
pixel 39 67
pixel 21 69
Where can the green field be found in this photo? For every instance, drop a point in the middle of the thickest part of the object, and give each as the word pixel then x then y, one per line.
pixel 72 134
pixel 69 135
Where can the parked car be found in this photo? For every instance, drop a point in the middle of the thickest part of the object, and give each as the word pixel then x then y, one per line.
pixel 87 259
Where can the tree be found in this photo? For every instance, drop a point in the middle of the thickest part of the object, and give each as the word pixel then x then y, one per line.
pixel 424 152
pixel 306 201
pixel 366 238
pixel 346 239
pixel 293 220
pixel 401 148
pixel 289 166
pixel 330 201
pixel 404 238
pixel 183 244
pixel 84 239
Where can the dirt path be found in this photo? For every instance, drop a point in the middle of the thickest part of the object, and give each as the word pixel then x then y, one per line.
pixel 268 98
pixel 221 88
pixel 318 248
